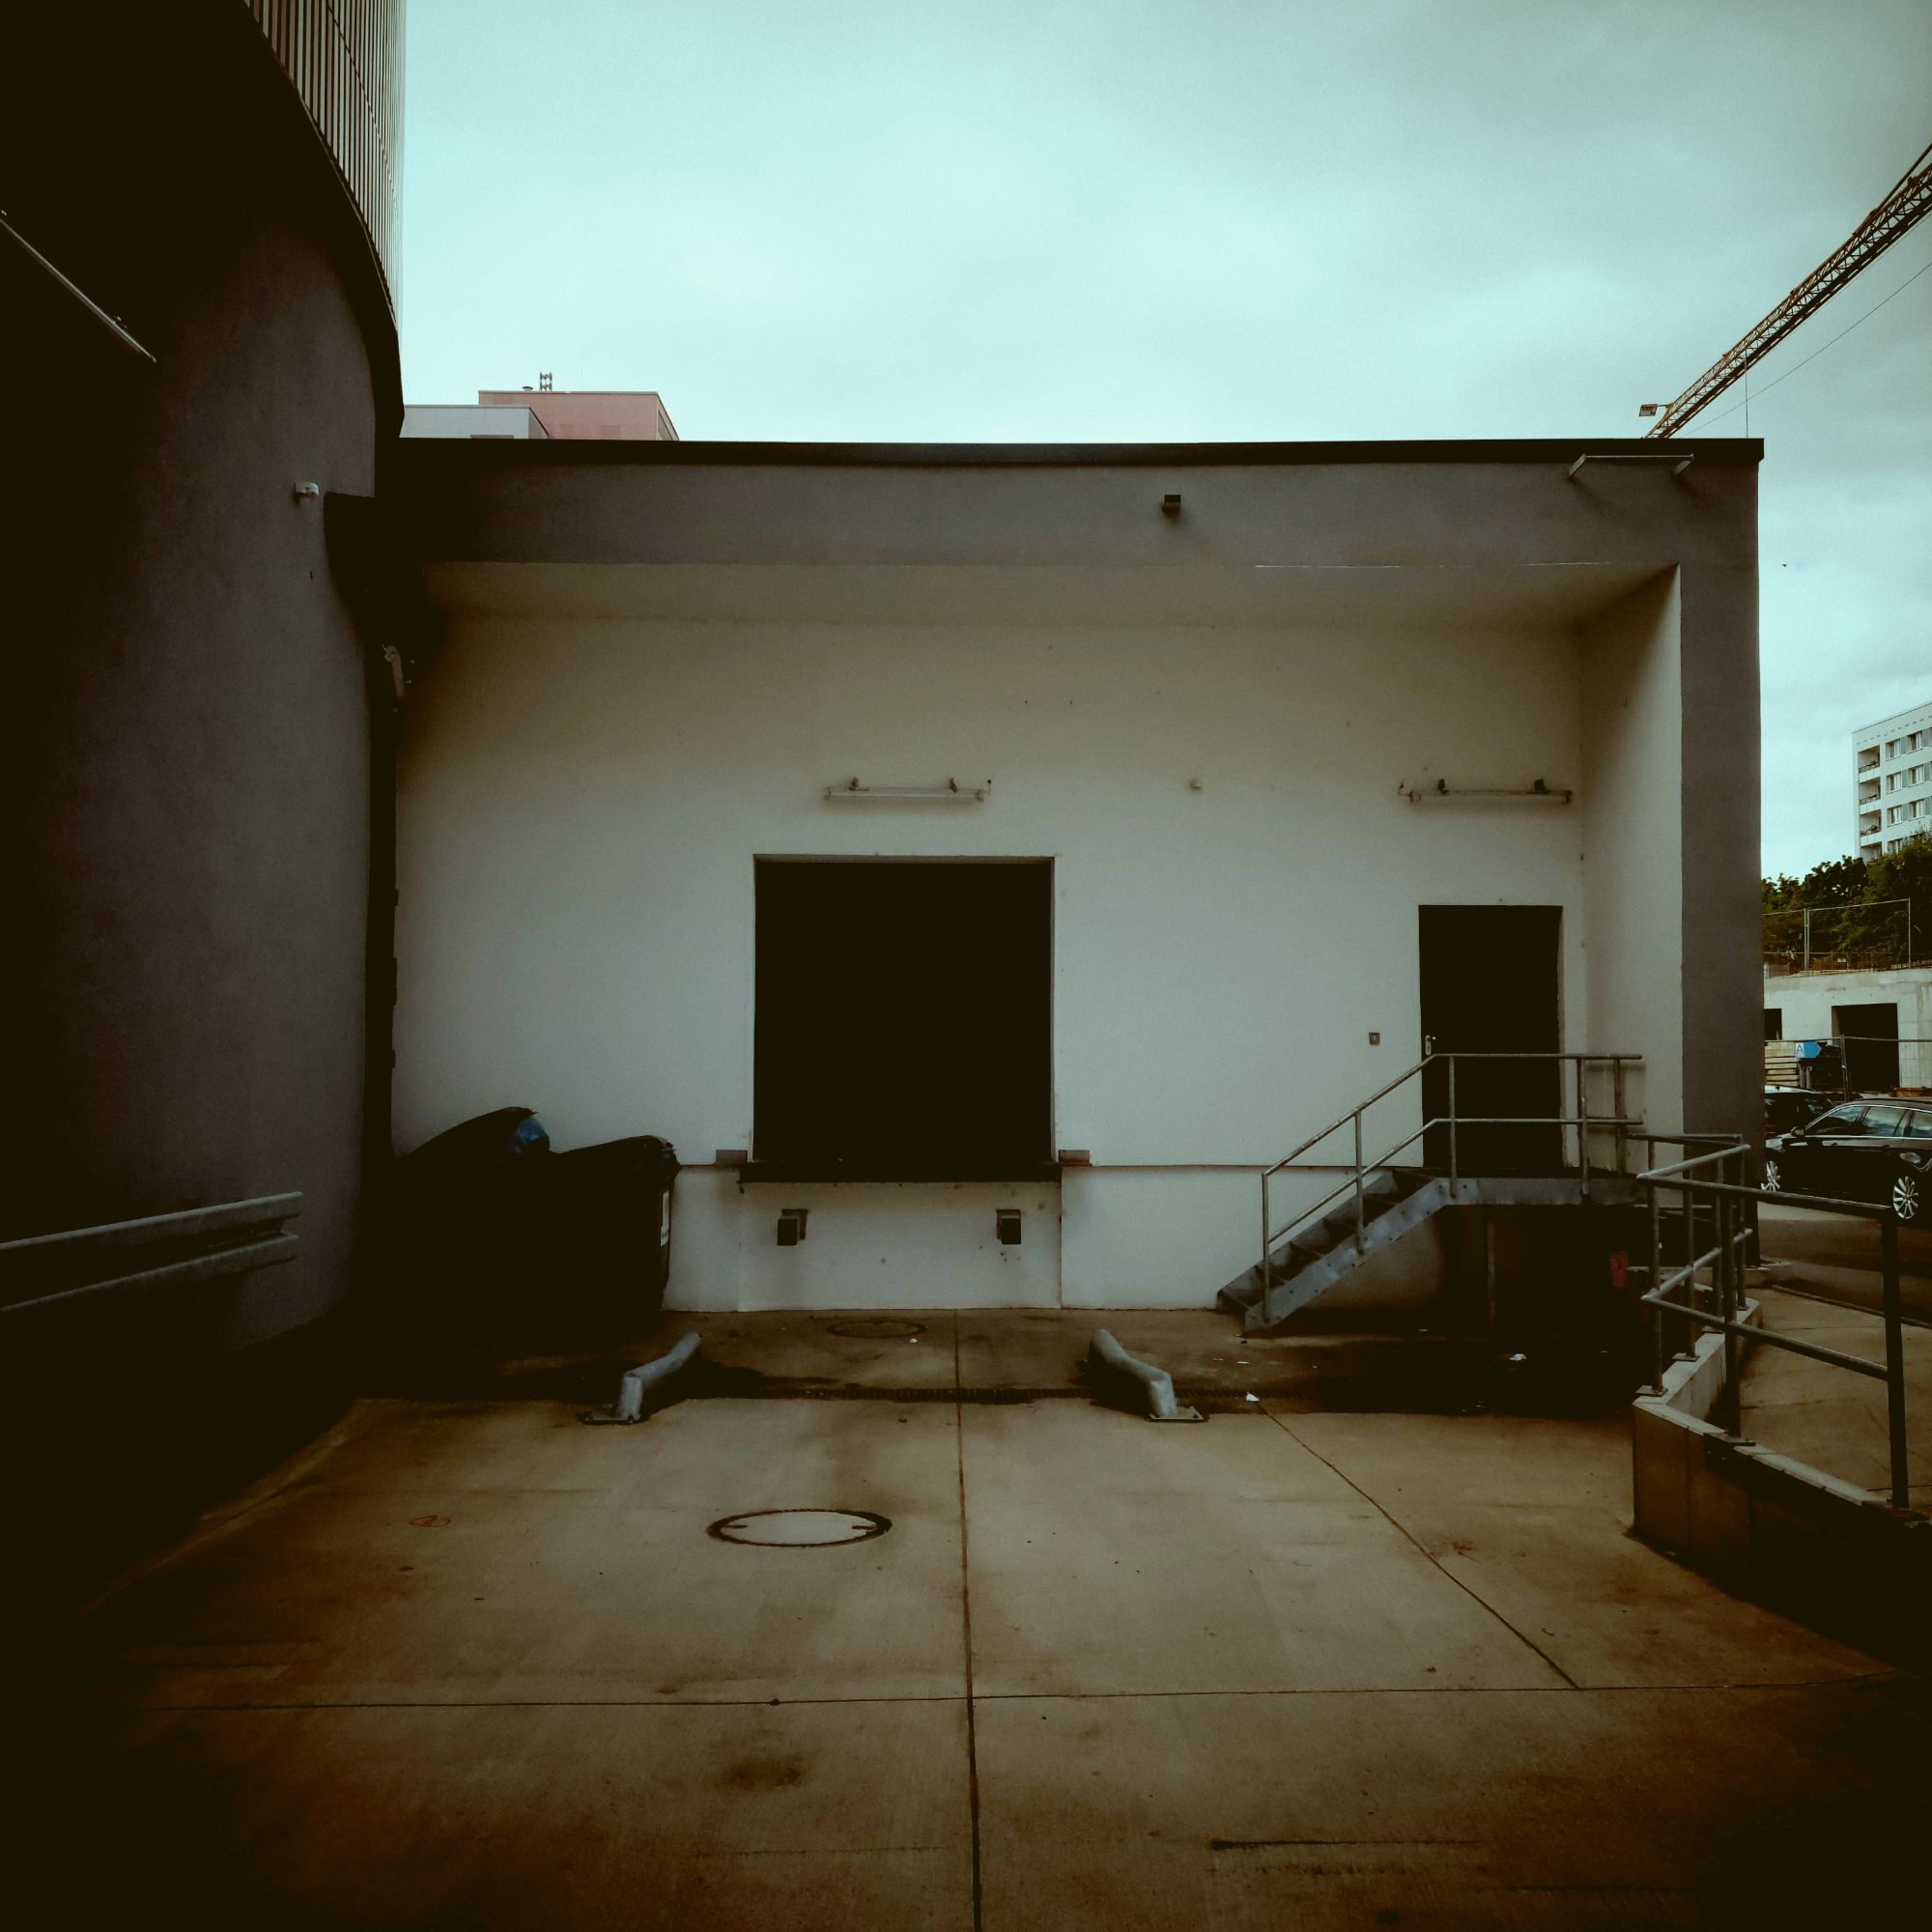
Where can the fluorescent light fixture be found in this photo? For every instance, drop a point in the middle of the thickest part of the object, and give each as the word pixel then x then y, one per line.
pixel 1443 792
pixel 952 792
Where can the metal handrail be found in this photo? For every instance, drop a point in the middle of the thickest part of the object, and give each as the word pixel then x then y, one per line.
pixel 1616 1121
pixel 157 1251
pixel 1441 1121
pixel 1731 1231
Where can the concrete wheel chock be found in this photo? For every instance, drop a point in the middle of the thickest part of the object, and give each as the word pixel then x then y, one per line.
pixel 629 1403
pixel 1151 1388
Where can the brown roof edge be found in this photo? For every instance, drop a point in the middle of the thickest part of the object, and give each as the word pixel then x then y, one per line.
pixel 1728 453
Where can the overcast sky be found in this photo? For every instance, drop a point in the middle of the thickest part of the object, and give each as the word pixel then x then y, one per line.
pixel 1065 221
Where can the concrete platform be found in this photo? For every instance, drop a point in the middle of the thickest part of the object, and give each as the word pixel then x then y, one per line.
pixel 1012 1353
pixel 471 1663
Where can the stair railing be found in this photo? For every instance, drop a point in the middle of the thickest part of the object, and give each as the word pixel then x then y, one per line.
pixel 1618 1122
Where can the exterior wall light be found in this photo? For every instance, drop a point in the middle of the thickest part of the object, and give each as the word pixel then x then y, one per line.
pixel 952 792
pixel 1537 790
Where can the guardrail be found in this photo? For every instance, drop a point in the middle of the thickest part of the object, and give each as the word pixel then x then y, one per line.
pixel 1712 1182
pixel 1616 1122
pixel 160 1251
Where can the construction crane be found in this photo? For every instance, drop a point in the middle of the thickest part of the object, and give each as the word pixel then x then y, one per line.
pixel 1892 218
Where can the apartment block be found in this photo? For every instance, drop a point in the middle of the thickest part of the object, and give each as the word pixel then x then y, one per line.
pixel 1893 776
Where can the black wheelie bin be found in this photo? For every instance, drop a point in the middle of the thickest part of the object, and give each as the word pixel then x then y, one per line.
pixel 504 1238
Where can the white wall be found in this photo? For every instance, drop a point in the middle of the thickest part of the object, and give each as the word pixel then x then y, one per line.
pixel 1632 840
pixel 1806 1001
pixel 582 800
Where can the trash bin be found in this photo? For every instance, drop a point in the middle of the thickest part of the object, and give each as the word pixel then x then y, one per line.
pixel 606 1222
pixel 502 1237
pixel 461 1205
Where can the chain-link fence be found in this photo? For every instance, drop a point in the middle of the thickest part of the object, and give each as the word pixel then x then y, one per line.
pixel 1844 939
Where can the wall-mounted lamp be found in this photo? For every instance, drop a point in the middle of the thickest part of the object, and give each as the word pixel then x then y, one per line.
pixel 1170 506
pixel 1678 461
pixel 1442 792
pixel 952 792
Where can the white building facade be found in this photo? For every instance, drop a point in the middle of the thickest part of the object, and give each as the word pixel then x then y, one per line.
pixel 492 422
pixel 1893 781
pixel 1081 814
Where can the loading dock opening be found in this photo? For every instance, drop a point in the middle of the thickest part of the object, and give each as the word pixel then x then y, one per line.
pixel 1490 983
pixel 904 1027
pixel 1870 1033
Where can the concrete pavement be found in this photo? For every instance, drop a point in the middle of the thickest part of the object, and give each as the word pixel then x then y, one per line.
pixel 1836 1256
pixel 1829 1417
pixel 471 1663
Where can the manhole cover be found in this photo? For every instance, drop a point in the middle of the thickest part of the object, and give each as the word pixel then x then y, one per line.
pixel 799 1528
pixel 877 1328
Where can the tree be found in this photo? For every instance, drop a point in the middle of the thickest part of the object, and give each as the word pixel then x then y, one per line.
pixel 1847 899
pixel 1907 874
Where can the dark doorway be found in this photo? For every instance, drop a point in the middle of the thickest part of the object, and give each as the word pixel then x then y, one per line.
pixel 904 1019
pixel 1491 985
pixel 1870 1034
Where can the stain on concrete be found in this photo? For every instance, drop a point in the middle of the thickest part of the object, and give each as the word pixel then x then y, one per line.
pixel 765 1773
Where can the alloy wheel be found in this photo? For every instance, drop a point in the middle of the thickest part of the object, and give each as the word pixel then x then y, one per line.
pixel 1906 1198
pixel 1773 1180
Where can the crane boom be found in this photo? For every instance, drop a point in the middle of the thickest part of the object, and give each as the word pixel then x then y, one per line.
pixel 1893 217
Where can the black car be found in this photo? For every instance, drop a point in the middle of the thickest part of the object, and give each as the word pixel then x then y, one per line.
pixel 1878 1150
pixel 1788 1107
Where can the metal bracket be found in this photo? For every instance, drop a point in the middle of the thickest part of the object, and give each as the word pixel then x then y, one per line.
pixel 1537 788
pixel 952 792
pixel 1151 1385
pixel 629 1403
pixel 1678 463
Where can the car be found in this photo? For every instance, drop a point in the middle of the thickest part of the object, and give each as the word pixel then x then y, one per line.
pixel 1788 1107
pixel 1877 1151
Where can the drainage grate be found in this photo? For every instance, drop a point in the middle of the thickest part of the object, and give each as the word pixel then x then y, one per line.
pixel 799 1529
pixel 877 1328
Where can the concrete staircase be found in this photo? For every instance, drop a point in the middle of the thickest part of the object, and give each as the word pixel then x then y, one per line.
pixel 1395 1200
pixel 1317 1255
pixel 1379 1202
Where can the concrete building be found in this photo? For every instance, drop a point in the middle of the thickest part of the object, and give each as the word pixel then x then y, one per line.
pixel 581 416
pixel 591 415
pixel 1067 834
pixel 1883 1016
pixel 195 283
pixel 1893 781
pixel 491 421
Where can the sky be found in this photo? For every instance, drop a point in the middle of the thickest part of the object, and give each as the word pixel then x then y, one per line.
pixel 1191 220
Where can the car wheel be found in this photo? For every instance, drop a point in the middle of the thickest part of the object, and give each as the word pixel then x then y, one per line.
pixel 1908 1196
pixel 1773 1180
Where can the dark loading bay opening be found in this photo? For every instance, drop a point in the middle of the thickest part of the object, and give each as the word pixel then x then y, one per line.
pixel 1870 1033
pixel 1490 983
pixel 904 1027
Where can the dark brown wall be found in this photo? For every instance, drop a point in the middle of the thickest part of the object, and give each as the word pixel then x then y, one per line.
pixel 186 736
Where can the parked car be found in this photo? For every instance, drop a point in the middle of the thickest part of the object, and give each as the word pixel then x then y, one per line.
pixel 1788 1107
pixel 1878 1150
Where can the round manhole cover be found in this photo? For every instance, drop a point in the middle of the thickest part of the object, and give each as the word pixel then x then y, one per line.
pixel 799 1528
pixel 877 1328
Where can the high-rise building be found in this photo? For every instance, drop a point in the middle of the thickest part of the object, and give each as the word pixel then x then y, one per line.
pixel 1892 764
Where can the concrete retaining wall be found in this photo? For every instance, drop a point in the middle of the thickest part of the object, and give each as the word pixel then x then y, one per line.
pixel 1774 1528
